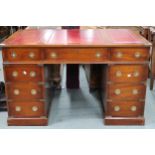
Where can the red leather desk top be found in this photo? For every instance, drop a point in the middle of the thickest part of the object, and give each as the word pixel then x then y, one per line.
pixel 89 37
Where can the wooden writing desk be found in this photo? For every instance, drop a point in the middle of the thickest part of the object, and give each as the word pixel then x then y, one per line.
pixel 123 55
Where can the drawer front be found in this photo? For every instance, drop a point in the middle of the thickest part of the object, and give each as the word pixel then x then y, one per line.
pixel 126 91
pixel 79 54
pixel 23 73
pixel 129 54
pixel 127 73
pixel 25 91
pixel 26 109
pixel 125 109
pixel 60 55
pixel 90 54
pixel 22 54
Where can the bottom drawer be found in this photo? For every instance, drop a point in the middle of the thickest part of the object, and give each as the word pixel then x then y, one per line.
pixel 127 109
pixel 26 109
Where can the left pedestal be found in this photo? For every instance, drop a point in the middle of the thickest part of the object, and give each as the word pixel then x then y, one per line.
pixel 27 94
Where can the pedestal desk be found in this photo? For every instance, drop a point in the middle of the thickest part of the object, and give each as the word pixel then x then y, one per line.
pixel 28 55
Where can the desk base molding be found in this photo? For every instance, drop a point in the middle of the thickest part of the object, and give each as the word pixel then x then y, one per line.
pixel 124 121
pixel 27 121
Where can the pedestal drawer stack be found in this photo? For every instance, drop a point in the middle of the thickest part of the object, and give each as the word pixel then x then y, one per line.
pixel 125 86
pixel 25 87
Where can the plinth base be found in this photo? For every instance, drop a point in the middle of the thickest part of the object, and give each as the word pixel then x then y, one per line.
pixel 124 120
pixel 27 121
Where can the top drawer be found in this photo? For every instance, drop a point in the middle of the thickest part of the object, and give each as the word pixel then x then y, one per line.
pixel 76 54
pixel 129 54
pixel 22 54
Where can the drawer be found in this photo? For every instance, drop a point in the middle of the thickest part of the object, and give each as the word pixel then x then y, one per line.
pixel 58 54
pixel 125 109
pixel 90 54
pixel 76 54
pixel 126 91
pixel 22 54
pixel 23 73
pixel 129 54
pixel 25 91
pixel 26 109
pixel 127 73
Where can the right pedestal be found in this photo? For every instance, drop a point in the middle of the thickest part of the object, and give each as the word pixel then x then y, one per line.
pixel 124 89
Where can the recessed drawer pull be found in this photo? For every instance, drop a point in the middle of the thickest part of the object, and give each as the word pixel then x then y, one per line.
pixel 117 91
pixel 16 92
pixel 137 55
pixel 33 91
pixel 34 108
pixel 134 91
pixel 136 74
pixel 14 73
pixel 118 74
pixel 133 108
pixel 117 108
pixel 32 74
pixel 98 55
pixel 31 55
pixel 13 55
pixel 53 55
pixel 18 108
pixel 119 55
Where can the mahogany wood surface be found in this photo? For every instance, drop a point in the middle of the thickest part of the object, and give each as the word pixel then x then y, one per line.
pixel 122 54
pixel 125 109
pixel 124 121
pixel 127 91
pixel 26 109
pixel 23 73
pixel 127 73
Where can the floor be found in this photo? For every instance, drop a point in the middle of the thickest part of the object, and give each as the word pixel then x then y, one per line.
pixel 82 109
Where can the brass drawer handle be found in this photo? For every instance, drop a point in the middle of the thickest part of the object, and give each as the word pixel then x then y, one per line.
pixel 134 91
pixel 18 108
pixel 133 108
pixel 33 91
pixel 32 74
pixel 16 92
pixel 136 74
pixel 31 55
pixel 117 91
pixel 53 55
pixel 119 55
pixel 14 73
pixel 34 108
pixel 118 74
pixel 13 54
pixel 117 108
pixel 24 72
pixel 98 55
pixel 137 55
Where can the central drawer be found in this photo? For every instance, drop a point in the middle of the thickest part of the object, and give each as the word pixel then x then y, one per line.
pixel 126 91
pixel 76 54
pixel 25 91
pixel 90 54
